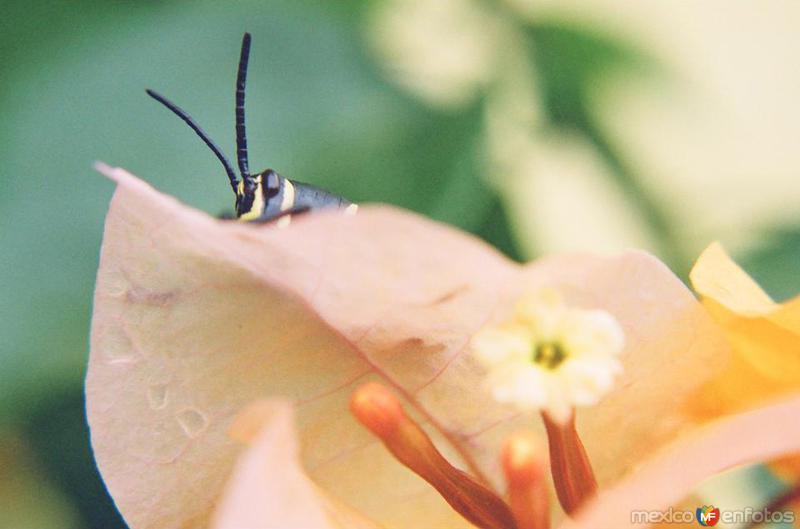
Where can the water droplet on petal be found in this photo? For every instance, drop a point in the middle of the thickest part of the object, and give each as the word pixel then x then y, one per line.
pixel 118 347
pixel 192 421
pixel 157 396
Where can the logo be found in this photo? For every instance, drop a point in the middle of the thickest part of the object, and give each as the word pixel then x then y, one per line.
pixel 707 515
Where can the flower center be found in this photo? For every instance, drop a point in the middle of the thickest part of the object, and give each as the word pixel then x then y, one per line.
pixel 549 355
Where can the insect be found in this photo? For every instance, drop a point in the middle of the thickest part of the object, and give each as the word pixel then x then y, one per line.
pixel 265 196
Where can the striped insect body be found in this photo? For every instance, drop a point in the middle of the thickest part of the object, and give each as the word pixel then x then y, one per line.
pixel 266 196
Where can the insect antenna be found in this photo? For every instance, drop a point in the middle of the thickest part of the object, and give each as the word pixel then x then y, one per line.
pixel 241 134
pixel 203 136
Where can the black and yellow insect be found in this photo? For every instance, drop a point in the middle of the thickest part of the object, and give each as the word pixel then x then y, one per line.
pixel 265 196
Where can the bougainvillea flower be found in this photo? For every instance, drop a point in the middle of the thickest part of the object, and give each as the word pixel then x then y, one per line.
pixel 196 318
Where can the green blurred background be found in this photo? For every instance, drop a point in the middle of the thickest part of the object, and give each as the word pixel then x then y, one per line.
pixel 540 126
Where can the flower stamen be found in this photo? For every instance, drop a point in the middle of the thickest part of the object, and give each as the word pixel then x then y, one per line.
pixel 572 472
pixel 381 412
pixel 524 469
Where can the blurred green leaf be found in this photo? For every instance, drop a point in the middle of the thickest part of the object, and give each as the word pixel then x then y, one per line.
pixel 58 433
pixel 775 264
pixel 441 176
pixel 571 61
pixel 467 200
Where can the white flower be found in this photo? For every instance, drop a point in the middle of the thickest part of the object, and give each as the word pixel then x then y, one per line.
pixel 549 356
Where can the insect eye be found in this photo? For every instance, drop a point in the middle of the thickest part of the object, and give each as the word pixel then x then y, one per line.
pixel 271 182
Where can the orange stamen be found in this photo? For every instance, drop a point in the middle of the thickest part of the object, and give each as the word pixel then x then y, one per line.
pixel 524 469
pixel 381 412
pixel 572 472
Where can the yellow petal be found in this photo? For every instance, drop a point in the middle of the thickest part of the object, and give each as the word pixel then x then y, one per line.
pixel 766 335
pixel 734 388
pixel 716 277
pixel 194 318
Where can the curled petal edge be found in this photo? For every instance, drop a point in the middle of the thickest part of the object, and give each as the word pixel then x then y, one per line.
pixel 754 436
